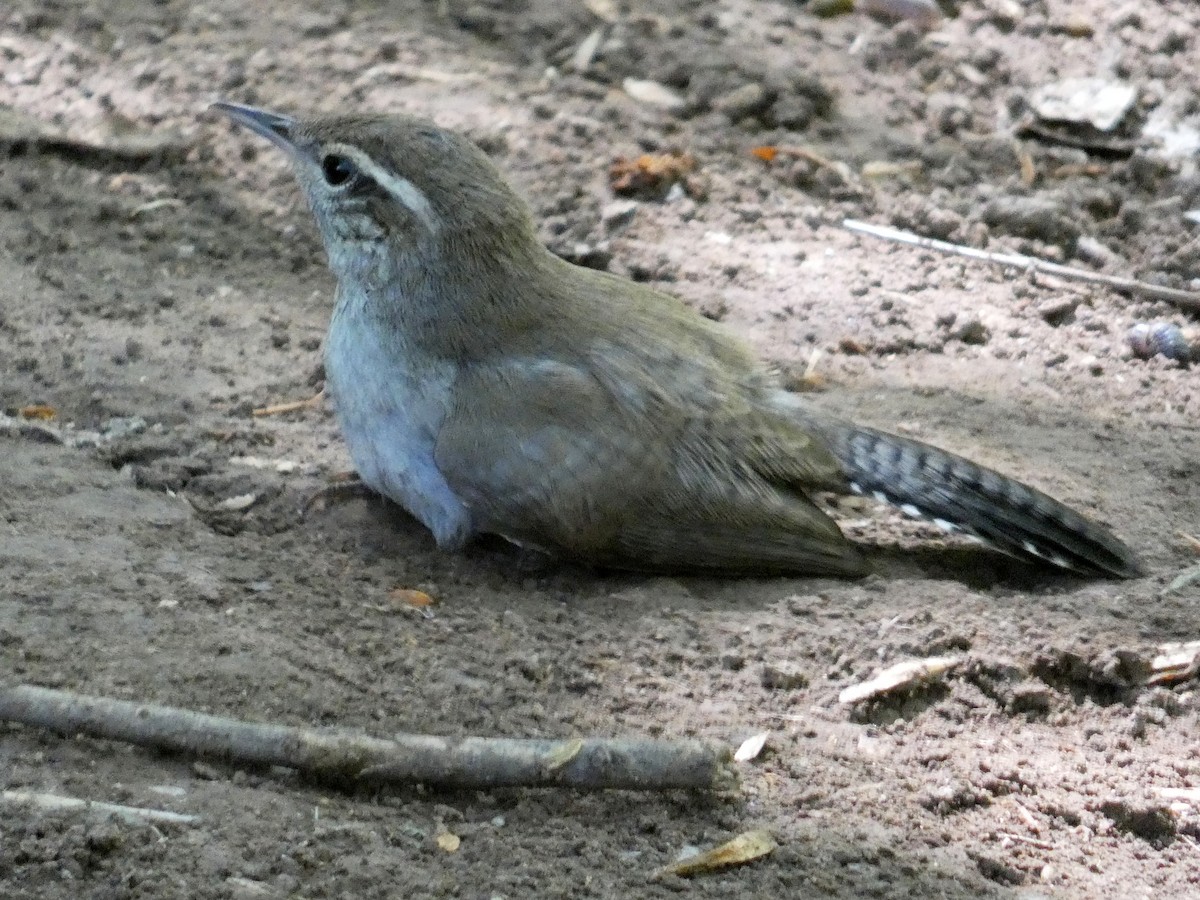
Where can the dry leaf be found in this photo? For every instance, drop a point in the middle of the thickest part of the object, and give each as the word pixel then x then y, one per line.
pixel 411 597
pixel 649 174
pixel 448 842
pixel 766 154
pixel 1175 662
pixel 561 754
pixel 38 411
pixel 744 848
pixel 902 675
pixel 751 747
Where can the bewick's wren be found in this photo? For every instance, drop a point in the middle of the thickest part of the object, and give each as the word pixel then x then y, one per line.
pixel 487 386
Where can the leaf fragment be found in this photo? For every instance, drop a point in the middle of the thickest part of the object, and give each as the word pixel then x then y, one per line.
pixel 38 411
pixel 751 747
pixel 411 597
pixel 900 677
pixel 746 847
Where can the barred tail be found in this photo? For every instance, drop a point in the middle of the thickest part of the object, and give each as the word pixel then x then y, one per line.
pixel 961 496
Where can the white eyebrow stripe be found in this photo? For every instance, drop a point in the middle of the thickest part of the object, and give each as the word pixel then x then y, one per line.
pixel 407 193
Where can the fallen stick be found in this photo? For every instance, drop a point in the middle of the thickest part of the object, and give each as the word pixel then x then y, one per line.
pixel 134 815
pixel 277 409
pixel 1181 298
pixel 1021 839
pixel 589 764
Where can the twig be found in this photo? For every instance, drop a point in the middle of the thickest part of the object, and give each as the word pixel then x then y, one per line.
pixel 837 167
pixel 135 815
pixel 1181 298
pixel 1021 839
pixel 291 406
pixel 460 763
pixel 1027 817
pixel 1183 579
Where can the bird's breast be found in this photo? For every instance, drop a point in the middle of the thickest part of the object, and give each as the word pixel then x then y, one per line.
pixel 391 402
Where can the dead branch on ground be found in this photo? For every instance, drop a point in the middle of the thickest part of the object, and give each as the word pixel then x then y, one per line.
pixel 134 815
pixel 478 763
pixel 1183 299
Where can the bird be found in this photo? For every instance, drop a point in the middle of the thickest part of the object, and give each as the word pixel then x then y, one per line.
pixel 489 387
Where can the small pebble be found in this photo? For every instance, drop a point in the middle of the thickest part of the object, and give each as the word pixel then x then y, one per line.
pixel 1150 339
pixel 783 677
pixel 742 102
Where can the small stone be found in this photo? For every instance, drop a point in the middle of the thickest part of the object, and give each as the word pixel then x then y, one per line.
pixel 590 256
pixel 1176 40
pixel 1129 15
pixel 619 213
pixel 948 113
pixel 793 113
pixel 783 677
pixel 733 662
pixel 1150 821
pixel 827 9
pixel 1059 311
pixel 952 796
pixel 971 331
pixel 1036 218
pixel 1031 697
pixel 743 102
pixel 1091 250
pixel 206 772
pixel 321 24
pixel 1077 25
pixel 1098 102
pixel 652 93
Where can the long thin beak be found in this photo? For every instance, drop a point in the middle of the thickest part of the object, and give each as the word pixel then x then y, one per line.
pixel 275 127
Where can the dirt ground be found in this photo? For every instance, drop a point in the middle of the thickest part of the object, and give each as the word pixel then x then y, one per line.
pixel 160 279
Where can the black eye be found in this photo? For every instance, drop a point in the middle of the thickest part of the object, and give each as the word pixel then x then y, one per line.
pixel 337 169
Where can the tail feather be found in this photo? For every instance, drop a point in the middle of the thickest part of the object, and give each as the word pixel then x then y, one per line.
pixel 959 495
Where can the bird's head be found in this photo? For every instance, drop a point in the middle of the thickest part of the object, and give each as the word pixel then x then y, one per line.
pixel 388 189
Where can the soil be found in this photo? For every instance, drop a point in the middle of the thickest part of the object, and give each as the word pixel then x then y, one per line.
pixel 160 279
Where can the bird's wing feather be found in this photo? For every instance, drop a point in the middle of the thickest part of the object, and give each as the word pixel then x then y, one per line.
pixel 606 465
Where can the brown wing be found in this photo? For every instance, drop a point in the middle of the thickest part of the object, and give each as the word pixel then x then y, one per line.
pixel 598 462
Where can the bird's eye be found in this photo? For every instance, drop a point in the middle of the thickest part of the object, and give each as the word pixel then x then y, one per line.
pixel 337 169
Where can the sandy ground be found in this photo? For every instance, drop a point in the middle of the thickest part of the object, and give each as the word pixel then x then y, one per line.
pixel 160 279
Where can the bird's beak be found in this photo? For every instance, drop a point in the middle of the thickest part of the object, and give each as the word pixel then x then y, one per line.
pixel 276 128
